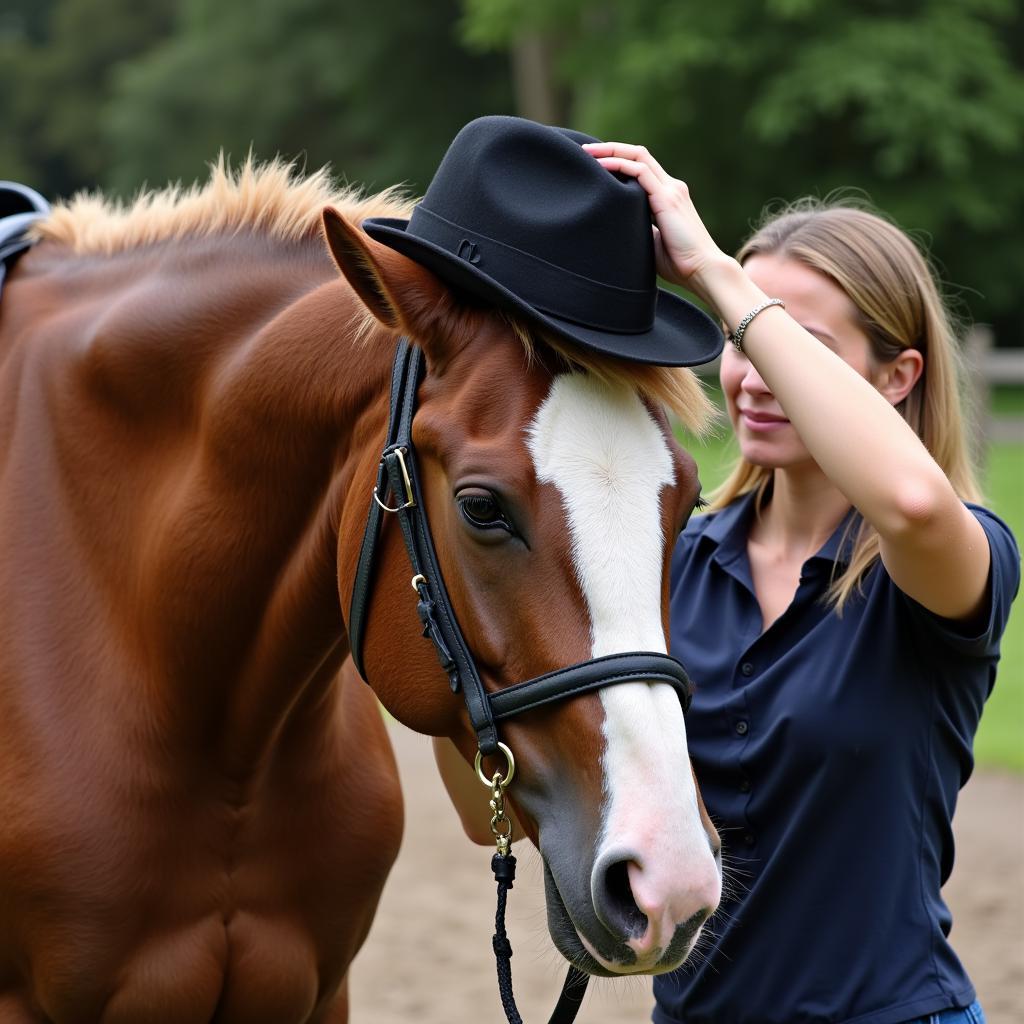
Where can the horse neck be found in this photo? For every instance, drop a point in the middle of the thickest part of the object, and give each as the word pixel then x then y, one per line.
pixel 294 418
pixel 219 407
pixel 298 412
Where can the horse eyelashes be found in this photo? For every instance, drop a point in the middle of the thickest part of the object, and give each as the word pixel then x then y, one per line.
pixel 483 512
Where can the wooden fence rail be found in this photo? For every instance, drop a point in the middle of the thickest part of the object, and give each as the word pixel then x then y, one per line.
pixel 986 368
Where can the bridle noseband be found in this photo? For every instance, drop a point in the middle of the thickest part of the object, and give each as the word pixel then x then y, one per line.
pixel 398 475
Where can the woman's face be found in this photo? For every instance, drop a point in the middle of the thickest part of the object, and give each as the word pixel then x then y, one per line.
pixel 766 437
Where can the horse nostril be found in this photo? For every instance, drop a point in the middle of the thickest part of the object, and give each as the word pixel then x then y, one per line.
pixel 618 907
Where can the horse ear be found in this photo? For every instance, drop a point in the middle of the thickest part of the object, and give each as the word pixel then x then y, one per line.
pixel 400 293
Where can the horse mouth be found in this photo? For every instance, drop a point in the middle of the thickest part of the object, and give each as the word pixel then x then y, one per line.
pixel 566 936
pixel 583 954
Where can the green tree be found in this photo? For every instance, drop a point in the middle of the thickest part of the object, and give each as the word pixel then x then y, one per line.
pixel 23 27
pixel 377 92
pixel 57 61
pixel 918 104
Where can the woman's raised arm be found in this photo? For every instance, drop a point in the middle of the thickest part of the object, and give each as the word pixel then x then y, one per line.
pixel 932 546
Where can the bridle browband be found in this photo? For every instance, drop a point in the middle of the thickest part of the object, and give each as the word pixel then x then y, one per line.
pixel 398 478
pixel 397 473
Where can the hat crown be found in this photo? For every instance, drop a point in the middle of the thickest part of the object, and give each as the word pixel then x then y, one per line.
pixel 521 217
pixel 533 187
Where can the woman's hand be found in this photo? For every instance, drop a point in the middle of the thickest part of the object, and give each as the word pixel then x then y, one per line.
pixel 684 250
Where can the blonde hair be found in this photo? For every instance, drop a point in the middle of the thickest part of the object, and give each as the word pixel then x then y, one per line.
pixel 898 304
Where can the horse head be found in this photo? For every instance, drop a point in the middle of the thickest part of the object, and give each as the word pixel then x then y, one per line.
pixel 554 490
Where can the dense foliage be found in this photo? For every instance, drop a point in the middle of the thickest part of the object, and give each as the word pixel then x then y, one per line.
pixel 114 93
pixel 919 104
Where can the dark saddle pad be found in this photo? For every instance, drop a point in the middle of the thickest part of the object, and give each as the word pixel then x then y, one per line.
pixel 20 207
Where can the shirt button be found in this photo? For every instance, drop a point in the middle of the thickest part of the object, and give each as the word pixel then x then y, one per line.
pixel 747 668
pixel 741 727
pixel 748 838
pixel 744 785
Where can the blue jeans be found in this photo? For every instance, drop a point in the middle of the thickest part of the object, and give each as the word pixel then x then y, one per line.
pixel 967 1015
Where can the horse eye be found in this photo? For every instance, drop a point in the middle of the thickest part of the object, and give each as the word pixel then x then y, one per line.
pixel 699 505
pixel 483 512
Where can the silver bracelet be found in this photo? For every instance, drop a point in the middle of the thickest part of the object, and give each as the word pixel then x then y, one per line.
pixel 736 337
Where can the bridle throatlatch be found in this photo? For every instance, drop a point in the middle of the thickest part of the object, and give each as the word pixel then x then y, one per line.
pixel 398 480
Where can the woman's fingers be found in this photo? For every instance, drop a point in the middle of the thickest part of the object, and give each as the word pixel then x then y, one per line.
pixel 651 183
pixel 634 161
pixel 637 162
pixel 628 153
pixel 682 245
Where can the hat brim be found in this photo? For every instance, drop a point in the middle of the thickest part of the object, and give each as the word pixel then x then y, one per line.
pixel 682 334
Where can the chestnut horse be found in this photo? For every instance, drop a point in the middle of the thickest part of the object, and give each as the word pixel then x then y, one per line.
pixel 198 801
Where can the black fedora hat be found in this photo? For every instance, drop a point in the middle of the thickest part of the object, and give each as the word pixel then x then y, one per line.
pixel 519 215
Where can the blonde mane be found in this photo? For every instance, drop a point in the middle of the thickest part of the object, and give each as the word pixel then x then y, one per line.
pixel 271 198
pixel 274 199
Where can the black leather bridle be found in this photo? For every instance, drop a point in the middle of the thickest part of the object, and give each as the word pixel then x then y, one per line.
pixel 398 473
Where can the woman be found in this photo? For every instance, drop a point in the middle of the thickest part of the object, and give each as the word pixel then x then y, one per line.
pixel 841 610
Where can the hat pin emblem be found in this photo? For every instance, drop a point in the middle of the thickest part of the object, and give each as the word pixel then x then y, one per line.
pixel 469 251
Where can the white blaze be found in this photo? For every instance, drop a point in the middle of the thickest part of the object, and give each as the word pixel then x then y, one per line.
pixel 600 447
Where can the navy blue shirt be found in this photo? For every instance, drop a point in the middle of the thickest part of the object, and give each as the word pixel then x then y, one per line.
pixel 829 751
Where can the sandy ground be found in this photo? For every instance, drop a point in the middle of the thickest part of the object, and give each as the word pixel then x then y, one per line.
pixel 428 958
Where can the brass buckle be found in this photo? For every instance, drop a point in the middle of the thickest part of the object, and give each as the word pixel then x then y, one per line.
pixel 410 501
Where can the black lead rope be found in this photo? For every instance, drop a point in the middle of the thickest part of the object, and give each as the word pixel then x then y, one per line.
pixel 573 988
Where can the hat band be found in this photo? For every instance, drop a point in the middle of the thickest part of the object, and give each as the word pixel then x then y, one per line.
pixel 546 287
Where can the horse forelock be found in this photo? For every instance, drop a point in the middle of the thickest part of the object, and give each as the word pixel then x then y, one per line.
pixel 272 198
pixel 676 389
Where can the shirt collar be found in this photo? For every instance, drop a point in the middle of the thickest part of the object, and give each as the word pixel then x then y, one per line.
pixel 730 526
pixel 727 530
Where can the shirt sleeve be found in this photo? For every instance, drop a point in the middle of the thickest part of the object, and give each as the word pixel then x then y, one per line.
pixel 981 639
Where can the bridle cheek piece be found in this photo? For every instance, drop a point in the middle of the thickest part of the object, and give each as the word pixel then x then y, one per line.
pixel 397 474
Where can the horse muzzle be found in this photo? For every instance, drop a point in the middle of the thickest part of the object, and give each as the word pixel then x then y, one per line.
pixel 623 919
